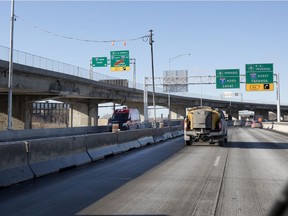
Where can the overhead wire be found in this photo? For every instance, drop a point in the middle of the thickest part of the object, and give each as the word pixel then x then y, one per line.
pixel 144 38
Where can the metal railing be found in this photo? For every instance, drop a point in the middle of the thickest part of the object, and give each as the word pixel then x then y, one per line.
pixel 31 60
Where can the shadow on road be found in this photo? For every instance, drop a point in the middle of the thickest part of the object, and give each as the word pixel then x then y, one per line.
pixel 257 145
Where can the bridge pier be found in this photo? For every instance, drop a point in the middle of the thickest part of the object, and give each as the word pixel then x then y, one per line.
pixel 21 112
pixel 93 114
pixel 232 112
pixel 83 114
pixel 178 112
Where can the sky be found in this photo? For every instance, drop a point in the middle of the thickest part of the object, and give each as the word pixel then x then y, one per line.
pixel 216 34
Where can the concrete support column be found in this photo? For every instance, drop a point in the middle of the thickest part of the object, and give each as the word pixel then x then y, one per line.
pixel 78 115
pixel 28 114
pixel 92 114
pixel 3 112
pixel 141 111
pixel 234 114
pixel 178 113
pixel 21 112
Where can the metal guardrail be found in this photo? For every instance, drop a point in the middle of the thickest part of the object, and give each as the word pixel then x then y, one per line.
pixel 31 60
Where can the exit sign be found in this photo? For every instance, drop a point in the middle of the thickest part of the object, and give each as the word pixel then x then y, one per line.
pixel 259 77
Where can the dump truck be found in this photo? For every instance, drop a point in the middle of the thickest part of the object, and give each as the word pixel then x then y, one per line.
pixel 205 123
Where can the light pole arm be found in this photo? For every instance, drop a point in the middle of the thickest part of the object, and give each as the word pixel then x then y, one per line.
pixel 175 57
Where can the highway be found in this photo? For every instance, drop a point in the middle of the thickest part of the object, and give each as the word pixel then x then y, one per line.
pixel 169 178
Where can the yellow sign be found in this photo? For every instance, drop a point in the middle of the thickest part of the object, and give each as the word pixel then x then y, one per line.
pixel 113 69
pixel 260 87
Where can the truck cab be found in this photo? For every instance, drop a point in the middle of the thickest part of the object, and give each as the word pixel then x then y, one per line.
pixel 126 118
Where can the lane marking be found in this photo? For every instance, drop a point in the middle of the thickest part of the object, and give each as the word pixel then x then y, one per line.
pixel 217 161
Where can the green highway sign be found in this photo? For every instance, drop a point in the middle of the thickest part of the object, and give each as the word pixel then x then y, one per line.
pixel 99 62
pixel 259 77
pixel 259 68
pixel 227 78
pixel 256 77
pixel 120 60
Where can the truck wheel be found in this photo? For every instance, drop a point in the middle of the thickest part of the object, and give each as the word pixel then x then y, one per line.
pixel 189 142
pixel 222 141
pixel 225 139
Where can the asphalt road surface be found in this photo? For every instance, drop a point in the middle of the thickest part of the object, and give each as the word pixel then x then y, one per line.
pixel 169 178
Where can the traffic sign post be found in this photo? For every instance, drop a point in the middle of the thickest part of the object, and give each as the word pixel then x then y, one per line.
pixel 120 60
pixel 227 78
pixel 99 62
pixel 259 77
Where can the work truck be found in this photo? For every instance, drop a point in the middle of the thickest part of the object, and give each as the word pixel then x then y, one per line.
pixel 204 123
pixel 126 119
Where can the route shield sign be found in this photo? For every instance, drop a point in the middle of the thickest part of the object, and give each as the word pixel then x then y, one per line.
pixel 120 60
pixel 227 78
pixel 99 62
pixel 259 77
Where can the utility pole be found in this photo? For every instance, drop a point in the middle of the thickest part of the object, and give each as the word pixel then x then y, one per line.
pixel 278 98
pixel 153 83
pixel 133 61
pixel 10 85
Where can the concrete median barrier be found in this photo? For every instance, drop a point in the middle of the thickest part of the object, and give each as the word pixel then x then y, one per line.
pixel 146 140
pixel 168 135
pixel 145 136
pixel 13 163
pixel 127 140
pixel 24 160
pixel 281 127
pixel 102 145
pixel 159 136
pixel 8 136
pixel 51 155
pixel 176 133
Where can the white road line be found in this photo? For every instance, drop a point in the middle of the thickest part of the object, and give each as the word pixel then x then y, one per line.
pixel 217 161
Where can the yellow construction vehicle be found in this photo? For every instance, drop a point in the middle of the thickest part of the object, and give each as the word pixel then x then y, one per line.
pixel 205 123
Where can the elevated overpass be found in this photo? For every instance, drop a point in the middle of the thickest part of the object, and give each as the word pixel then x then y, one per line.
pixel 84 92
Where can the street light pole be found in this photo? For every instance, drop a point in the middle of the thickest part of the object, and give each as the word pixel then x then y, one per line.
pixel 169 96
pixel 278 99
pixel 175 57
pixel 10 87
pixel 153 83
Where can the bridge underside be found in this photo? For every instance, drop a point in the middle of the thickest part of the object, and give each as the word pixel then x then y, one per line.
pixel 83 96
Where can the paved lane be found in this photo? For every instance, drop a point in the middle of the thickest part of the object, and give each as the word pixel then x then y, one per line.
pixel 256 171
pixel 166 179
pixel 186 184
pixel 242 179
